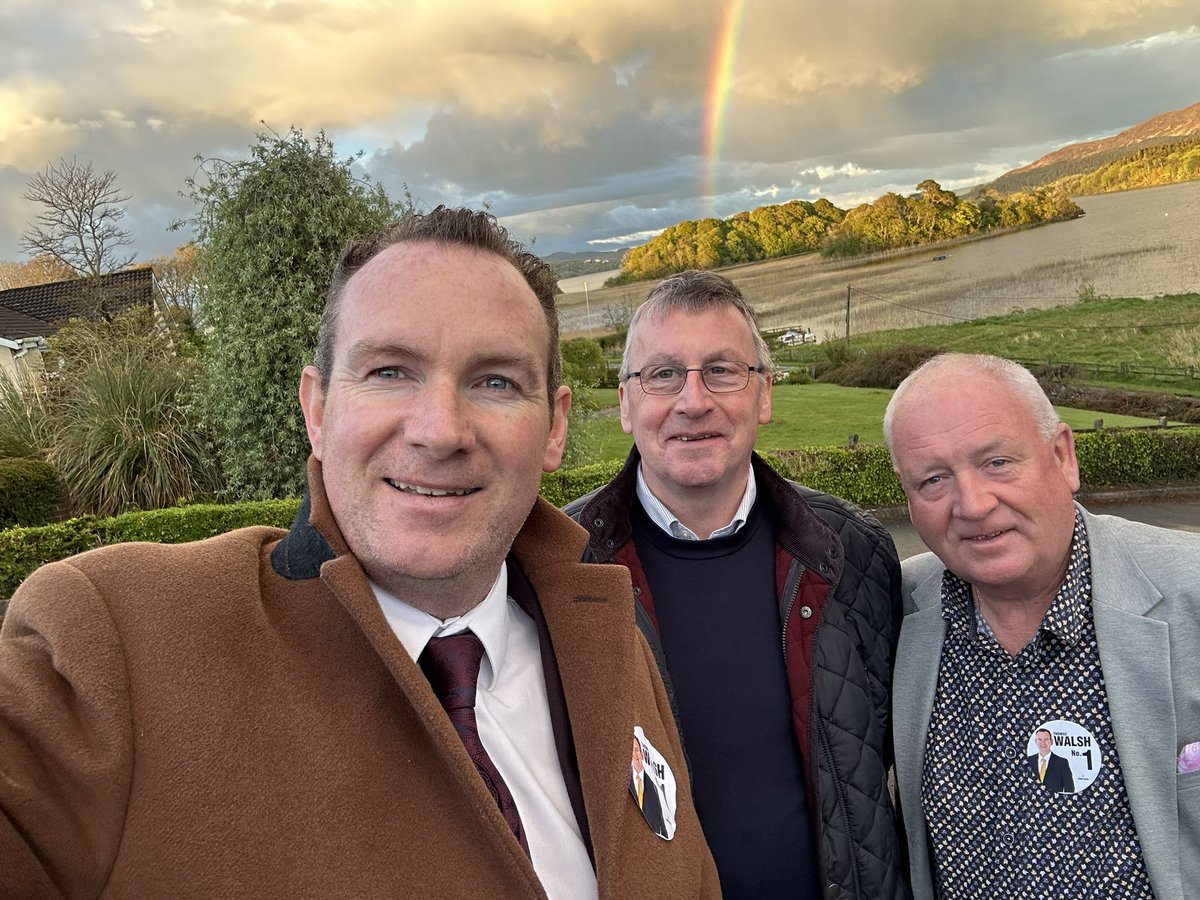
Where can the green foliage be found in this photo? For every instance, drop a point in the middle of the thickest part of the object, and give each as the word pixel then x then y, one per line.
pixel 563 486
pixel 1143 167
pixel 1106 331
pixel 25 420
pixel 818 415
pixel 583 370
pixel 124 434
pixel 24 549
pixel 30 492
pixel 837 352
pixel 1138 457
pixel 196 522
pixel 882 367
pixel 862 475
pixel 270 229
pixel 601 261
pixel 584 360
pixel 765 233
pixel 934 214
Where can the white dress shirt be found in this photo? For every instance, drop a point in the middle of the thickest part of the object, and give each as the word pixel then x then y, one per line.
pixel 513 715
pixel 669 522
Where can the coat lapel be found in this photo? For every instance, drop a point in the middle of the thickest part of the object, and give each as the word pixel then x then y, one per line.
pixel 1136 660
pixel 588 611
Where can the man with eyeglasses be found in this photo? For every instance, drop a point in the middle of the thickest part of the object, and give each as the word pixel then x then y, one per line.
pixel 773 609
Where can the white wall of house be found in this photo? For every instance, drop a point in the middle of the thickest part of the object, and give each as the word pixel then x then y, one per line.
pixel 21 358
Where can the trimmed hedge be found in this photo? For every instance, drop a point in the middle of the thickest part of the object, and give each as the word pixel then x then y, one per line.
pixel 24 549
pixel 1141 456
pixel 863 475
pixel 30 491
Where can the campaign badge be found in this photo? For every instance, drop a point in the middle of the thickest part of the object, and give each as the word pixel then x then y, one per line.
pixel 1064 757
pixel 652 785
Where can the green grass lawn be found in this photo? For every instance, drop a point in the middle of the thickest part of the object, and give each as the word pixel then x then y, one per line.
pixel 1107 332
pixel 809 415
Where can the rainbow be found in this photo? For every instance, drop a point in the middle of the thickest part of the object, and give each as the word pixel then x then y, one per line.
pixel 720 77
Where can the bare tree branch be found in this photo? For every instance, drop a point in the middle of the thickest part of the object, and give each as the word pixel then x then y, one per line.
pixel 79 223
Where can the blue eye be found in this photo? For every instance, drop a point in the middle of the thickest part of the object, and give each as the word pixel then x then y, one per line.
pixel 497 382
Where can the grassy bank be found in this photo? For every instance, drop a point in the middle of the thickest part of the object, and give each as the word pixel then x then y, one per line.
pixel 1139 334
pixel 808 415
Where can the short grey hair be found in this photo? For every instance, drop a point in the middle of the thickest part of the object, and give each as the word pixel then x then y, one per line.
pixel 695 291
pixel 1014 375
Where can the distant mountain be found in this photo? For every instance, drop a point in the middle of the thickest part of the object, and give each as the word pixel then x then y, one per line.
pixel 611 256
pixel 1178 127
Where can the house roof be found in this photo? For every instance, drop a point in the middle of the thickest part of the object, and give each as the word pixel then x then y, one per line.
pixel 37 310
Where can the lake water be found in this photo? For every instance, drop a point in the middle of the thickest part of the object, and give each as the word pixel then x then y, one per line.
pixel 592 282
pixel 1128 244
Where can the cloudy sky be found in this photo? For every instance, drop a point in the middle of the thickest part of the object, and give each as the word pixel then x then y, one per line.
pixel 583 124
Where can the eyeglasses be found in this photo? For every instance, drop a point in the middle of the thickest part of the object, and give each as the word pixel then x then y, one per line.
pixel 723 377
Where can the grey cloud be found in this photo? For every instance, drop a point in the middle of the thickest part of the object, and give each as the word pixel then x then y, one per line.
pixel 586 124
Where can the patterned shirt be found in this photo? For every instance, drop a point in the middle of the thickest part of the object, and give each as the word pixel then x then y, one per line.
pixel 999 825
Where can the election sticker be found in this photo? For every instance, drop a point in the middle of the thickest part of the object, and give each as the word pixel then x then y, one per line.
pixel 1064 757
pixel 652 785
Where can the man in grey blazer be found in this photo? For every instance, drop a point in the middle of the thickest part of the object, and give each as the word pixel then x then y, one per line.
pixel 1033 615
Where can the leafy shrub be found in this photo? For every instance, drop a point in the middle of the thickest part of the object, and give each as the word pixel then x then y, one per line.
pixel 563 486
pixel 30 491
pixel 881 368
pixel 1138 456
pixel 862 475
pixel 24 549
pixel 798 375
pixel 584 360
pixel 122 434
pixel 270 229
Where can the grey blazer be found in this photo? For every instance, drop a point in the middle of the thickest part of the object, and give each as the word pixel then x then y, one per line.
pixel 1146 600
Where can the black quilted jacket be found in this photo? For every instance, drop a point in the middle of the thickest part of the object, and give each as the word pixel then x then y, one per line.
pixel 838 582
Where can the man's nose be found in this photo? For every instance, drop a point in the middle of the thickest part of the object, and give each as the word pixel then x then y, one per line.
pixel 695 398
pixel 440 421
pixel 973 497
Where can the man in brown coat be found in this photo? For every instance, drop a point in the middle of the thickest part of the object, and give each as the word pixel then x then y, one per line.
pixel 416 691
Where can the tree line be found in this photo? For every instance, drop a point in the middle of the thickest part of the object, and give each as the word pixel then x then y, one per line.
pixel 787 229
pixel 1171 163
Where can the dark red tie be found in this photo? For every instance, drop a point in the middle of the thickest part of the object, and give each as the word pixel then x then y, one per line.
pixel 452 666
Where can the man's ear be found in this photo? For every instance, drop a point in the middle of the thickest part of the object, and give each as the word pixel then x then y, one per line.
pixel 626 412
pixel 764 401
pixel 312 403
pixel 1064 452
pixel 557 441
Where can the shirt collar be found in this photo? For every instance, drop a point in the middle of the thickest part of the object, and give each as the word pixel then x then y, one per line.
pixel 669 522
pixel 1065 619
pixel 488 620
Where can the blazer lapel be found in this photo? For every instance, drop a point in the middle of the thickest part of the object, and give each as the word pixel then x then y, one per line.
pixel 1136 660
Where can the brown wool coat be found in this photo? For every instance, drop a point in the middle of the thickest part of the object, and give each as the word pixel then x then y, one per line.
pixel 184 721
